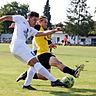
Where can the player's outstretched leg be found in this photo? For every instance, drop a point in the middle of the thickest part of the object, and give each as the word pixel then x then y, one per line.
pixel 75 72
pixel 65 69
pixel 78 70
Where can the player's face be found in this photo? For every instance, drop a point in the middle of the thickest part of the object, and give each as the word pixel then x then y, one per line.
pixel 44 23
pixel 33 21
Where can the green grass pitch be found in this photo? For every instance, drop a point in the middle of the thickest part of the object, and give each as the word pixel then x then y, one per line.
pixel 85 85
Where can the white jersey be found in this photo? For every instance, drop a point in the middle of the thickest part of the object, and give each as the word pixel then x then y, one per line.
pixel 22 30
pixel 34 47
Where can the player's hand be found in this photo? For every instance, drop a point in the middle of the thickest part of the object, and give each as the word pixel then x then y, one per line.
pixel 12 25
pixel 59 29
pixel 52 46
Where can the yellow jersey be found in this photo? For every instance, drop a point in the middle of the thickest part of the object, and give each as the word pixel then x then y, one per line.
pixel 41 43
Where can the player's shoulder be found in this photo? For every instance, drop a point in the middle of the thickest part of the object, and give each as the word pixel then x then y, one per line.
pixel 18 18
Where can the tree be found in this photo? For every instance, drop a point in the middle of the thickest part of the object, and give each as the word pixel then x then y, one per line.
pixel 12 8
pixel 95 10
pixel 47 13
pixel 79 19
pixel 94 31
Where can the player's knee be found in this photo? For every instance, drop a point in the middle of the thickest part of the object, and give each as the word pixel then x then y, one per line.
pixel 33 61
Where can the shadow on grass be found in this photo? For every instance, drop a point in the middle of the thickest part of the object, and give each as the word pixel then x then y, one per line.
pixel 72 92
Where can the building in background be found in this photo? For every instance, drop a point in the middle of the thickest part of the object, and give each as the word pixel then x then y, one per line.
pixel 5 38
pixel 58 38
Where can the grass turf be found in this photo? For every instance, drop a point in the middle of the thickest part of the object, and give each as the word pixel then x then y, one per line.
pixel 10 68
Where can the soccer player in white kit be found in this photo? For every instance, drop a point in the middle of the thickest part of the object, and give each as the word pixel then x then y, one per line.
pixel 20 49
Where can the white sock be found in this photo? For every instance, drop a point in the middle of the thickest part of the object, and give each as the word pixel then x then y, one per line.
pixel 43 71
pixel 30 74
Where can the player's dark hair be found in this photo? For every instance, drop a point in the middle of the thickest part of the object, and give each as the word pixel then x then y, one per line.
pixel 33 14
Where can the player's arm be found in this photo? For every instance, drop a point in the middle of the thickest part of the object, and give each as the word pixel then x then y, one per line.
pixel 12 25
pixel 49 32
pixel 15 18
pixel 6 18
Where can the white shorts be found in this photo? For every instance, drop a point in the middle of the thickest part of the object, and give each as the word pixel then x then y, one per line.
pixel 22 52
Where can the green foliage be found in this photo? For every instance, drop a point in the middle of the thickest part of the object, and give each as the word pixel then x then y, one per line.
pixel 1 28
pixel 79 19
pixel 93 31
pixel 47 13
pixel 12 8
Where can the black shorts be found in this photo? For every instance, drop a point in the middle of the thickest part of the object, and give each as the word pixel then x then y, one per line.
pixel 44 59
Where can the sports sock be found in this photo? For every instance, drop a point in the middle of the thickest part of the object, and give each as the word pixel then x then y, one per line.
pixel 30 73
pixel 43 71
pixel 68 70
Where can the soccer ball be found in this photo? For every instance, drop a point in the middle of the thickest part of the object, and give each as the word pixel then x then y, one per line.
pixel 68 81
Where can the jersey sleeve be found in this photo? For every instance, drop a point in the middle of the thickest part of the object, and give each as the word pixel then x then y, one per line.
pixel 18 18
pixel 33 31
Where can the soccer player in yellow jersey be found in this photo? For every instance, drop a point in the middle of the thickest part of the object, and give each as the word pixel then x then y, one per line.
pixel 46 58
